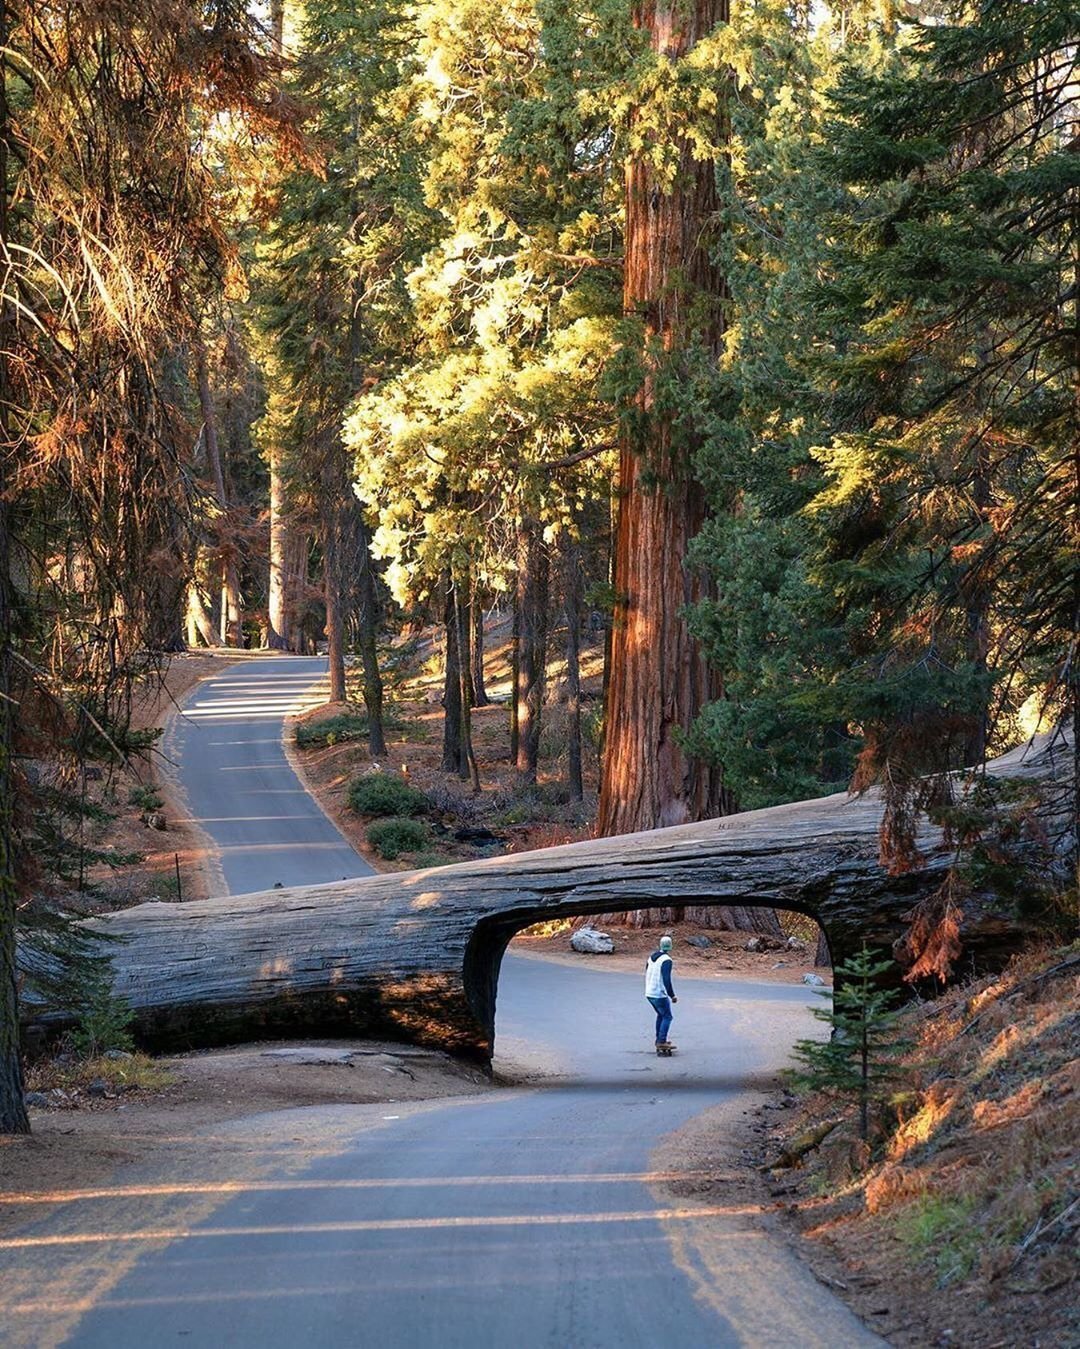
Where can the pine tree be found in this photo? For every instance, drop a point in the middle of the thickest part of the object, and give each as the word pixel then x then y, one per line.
pixel 859 1060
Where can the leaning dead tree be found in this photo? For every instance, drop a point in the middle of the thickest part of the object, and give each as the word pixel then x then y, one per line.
pixel 416 955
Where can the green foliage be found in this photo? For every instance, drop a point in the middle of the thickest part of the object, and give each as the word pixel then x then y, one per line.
pixel 348 726
pixel 104 1020
pixel 386 794
pixel 145 799
pixel 859 1061
pixel 940 1229
pixel 392 837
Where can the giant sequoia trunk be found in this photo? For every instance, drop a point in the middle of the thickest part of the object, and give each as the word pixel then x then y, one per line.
pixel 658 677
pixel 416 955
pixel 659 680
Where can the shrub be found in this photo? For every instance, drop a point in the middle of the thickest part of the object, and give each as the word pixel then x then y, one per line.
pixel 332 730
pixel 146 798
pixel 390 838
pixel 103 1021
pixel 385 794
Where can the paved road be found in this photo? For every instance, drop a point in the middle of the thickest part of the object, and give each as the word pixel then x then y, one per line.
pixel 531 1218
pixel 240 787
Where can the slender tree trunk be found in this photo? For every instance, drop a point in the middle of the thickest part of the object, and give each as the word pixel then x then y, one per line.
pixel 199 621
pixel 659 678
pixel 296 581
pixel 532 658
pixel 277 601
pixel 451 755
pixel 515 664
pixel 333 585
pixel 467 768
pixel 368 598
pixel 13 1118
pixel 571 560
pixel 476 613
pixel 232 625
pixel 369 650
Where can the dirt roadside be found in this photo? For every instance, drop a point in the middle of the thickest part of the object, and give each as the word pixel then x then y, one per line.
pixel 725 957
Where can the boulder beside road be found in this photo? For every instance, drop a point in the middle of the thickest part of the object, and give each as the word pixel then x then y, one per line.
pixel 590 941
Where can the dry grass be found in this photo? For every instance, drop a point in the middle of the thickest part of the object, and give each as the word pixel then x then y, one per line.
pixel 139 1072
pixel 972 1200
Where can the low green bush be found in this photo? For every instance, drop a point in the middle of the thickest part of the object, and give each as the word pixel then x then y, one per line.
pixel 332 731
pixel 386 794
pixel 390 838
pixel 146 798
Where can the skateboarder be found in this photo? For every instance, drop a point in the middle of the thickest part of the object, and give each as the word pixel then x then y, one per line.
pixel 660 993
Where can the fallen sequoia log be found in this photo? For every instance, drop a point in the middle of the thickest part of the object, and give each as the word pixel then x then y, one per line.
pixel 416 955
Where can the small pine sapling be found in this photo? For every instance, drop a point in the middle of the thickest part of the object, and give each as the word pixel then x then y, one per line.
pixel 859 1060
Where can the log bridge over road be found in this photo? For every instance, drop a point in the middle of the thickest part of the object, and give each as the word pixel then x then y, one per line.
pixel 415 955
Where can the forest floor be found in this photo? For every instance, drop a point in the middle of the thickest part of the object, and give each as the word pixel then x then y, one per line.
pixel 505 816
pixel 959 1223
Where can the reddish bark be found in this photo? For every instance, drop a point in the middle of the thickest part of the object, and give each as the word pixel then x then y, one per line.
pixel 659 680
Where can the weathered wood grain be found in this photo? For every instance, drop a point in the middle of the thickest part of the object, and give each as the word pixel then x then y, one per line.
pixel 415 955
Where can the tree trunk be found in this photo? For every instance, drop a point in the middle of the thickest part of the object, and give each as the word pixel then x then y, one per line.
pixel 533 568
pixel 571 559
pixel 353 958
pixel 297 549
pixel 277 638
pixel 476 613
pixel 333 584
pixel 368 624
pixel 451 755
pixel 515 668
pixel 199 622
pixel 467 769
pixel 659 680
pixel 232 627
pixel 13 1118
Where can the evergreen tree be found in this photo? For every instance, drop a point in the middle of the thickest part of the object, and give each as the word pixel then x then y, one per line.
pixel 859 1060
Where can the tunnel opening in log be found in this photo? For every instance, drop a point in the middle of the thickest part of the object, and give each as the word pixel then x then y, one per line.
pixel 492 936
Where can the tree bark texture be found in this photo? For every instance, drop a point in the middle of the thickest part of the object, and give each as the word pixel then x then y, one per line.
pixel 572 597
pixel 468 768
pixel 416 955
pixel 232 624
pixel 533 573
pixel 277 638
pixel 452 751
pixel 367 623
pixel 659 680
pixel 476 614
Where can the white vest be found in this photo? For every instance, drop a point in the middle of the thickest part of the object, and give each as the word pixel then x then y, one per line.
pixel 654 977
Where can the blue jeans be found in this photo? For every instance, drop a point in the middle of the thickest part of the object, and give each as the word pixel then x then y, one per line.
pixel 664 1018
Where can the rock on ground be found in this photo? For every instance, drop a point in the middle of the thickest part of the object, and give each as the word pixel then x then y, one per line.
pixel 590 941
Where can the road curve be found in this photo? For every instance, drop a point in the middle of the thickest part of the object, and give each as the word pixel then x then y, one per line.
pixel 226 751
pixel 529 1218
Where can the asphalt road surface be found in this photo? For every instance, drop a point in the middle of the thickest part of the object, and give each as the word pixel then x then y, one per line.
pixel 226 747
pixel 528 1218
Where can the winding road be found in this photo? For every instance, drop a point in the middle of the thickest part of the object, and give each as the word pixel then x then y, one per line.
pixel 532 1217
pixel 228 753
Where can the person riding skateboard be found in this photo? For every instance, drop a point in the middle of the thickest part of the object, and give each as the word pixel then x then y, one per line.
pixel 660 992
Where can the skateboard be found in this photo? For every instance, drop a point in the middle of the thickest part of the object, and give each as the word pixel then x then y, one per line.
pixel 665 1051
